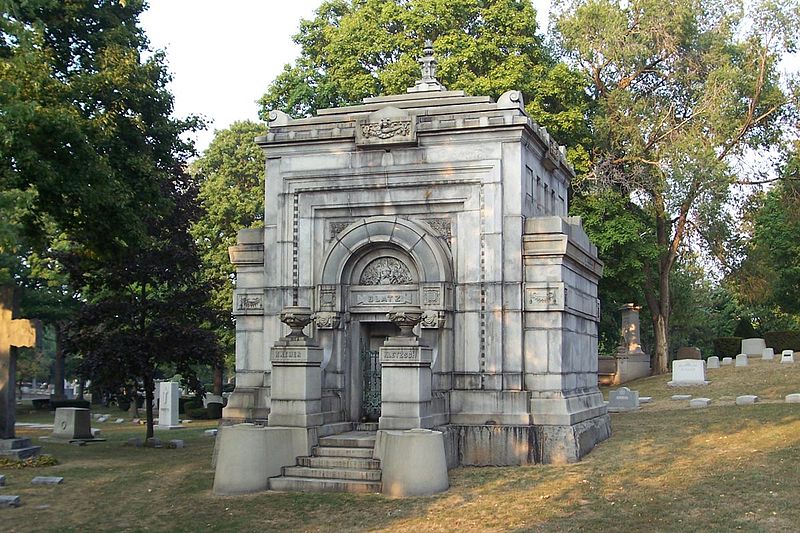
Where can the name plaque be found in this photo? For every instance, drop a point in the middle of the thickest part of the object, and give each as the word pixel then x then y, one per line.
pixel 405 354
pixel 288 355
pixel 381 298
pixel 248 303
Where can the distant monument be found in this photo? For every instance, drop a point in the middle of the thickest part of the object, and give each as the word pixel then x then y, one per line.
pixel 630 362
pixel 455 206
pixel 14 333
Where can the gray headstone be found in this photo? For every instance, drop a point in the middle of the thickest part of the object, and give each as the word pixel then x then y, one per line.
pixel 154 442
pixel 9 501
pixel 793 398
pixel 681 396
pixel 688 352
pixel 713 362
pixel 47 480
pixel 754 346
pixel 623 399
pixel 210 432
pixel 741 359
pixel 72 423
pixel 727 361
pixel 645 399
pixel 787 356
pixel 2 480
pixel 176 443
pixel 119 420
pixel 699 402
pixel 768 354
pixel 747 399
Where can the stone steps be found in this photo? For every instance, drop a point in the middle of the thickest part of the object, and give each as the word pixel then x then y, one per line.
pixel 341 463
pixel 301 484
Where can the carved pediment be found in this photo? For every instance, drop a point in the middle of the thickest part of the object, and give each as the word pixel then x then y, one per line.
pixel 388 125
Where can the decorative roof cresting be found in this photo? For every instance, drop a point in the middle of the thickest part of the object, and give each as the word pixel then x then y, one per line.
pixel 427 64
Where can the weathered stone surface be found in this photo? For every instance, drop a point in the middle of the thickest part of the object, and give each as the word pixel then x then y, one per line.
pixel 793 398
pixel 727 361
pixel 413 462
pixel 168 395
pixel 699 402
pixel 753 347
pixel 688 372
pixel 10 501
pixel 623 399
pixel 712 362
pixel 177 443
pixel 787 357
pixel 72 423
pixel 768 354
pixel 645 399
pixel 681 396
pixel 741 359
pixel 746 399
pixel 47 480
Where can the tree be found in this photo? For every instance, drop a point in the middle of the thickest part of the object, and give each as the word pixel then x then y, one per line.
pixel 682 90
pixel 354 49
pixel 231 177
pixel 150 308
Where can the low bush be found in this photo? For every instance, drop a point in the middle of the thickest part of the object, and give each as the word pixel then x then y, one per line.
pixel 727 346
pixel 783 340
pixel 55 404
pixel 197 413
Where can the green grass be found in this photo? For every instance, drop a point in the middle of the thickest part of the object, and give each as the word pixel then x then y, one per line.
pixel 666 468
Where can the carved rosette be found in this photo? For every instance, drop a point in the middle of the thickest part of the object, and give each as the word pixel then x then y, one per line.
pixel 432 319
pixel 327 320
pixel 296 318
pixel 406 318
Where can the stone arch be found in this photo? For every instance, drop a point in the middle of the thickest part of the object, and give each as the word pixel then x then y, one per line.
pixel 431 260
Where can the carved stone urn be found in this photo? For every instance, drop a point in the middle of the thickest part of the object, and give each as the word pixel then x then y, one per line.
pixel 296 318
pixel 406 318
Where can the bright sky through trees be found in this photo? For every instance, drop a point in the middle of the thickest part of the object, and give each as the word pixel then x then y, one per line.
pixel 224 54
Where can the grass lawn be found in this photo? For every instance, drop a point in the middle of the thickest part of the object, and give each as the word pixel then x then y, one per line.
pixel 666 468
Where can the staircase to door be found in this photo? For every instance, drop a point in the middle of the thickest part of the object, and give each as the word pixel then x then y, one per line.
pixel 340 463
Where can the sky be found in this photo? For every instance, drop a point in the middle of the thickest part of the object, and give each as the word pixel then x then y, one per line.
pixel 223 55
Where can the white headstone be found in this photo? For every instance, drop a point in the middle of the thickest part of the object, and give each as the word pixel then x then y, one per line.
pixel 793 398
pixel 727 361
pixel 768 354
pixel 753 346
pixel 681 396
pixel 168 405
pixel 747 399
pixel 713 362
pixel 699 402
pixel 787 356
pixel 741 359
pixel 688 372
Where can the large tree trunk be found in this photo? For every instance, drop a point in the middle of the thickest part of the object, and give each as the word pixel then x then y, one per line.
pixel 661 356
pixel 217 380
pixel 58 380
pixel 148 404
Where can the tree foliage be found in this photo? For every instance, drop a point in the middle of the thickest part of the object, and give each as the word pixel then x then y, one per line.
pixel 360 48
pixel 682 89
pixel 231 177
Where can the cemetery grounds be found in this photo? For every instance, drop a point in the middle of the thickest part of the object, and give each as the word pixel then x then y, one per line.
pixel 666 468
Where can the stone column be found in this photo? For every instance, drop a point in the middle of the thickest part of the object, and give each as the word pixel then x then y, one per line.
pixel 296 374
pixel 405 375
pixel 630 329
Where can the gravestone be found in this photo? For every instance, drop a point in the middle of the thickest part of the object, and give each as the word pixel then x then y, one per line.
pixel 753 347
pixel 623 399
pixel 768 354
pixel 741 359
pixel 688 352
pixel 793 398
pixel 713 362
pixel 746 399
pixel 72 423
pixel 9 501
pixel 168 395
pixel 699 402
pixel 688 372
pixel 47 480
pixel 2 480
pixel 727 361
pixel 787 356
pixel 681 396
pixel 14 333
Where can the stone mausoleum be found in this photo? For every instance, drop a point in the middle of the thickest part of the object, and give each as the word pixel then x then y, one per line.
pixel 424 239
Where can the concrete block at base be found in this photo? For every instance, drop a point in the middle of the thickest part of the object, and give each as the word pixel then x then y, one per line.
pixel 413 462
pixel 248 455
pixel 568 444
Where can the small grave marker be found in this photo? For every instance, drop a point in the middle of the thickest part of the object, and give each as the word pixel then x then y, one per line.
pixel 176 443
pixel 741 359
pixel 727 361
pixel 747 399
pixel 793 398
pixel 9 501
pixel 623 399
pixel 713 362
pixel 210 432
pixel 787 356
pixel 47 480
pixel 688 372
pixel 698 403
pixel 681 396
pixel 768 354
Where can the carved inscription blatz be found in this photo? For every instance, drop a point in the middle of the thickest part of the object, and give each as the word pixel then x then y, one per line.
pixel 381 298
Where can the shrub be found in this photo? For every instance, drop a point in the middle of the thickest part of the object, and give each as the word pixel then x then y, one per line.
pixel 783 340
pixel 744 329
pixel 197 413
pixel 727 346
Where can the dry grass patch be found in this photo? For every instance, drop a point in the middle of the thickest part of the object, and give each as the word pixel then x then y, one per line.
pixel 667 468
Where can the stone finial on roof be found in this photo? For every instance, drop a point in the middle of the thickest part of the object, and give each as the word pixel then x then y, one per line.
pixel 428 66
